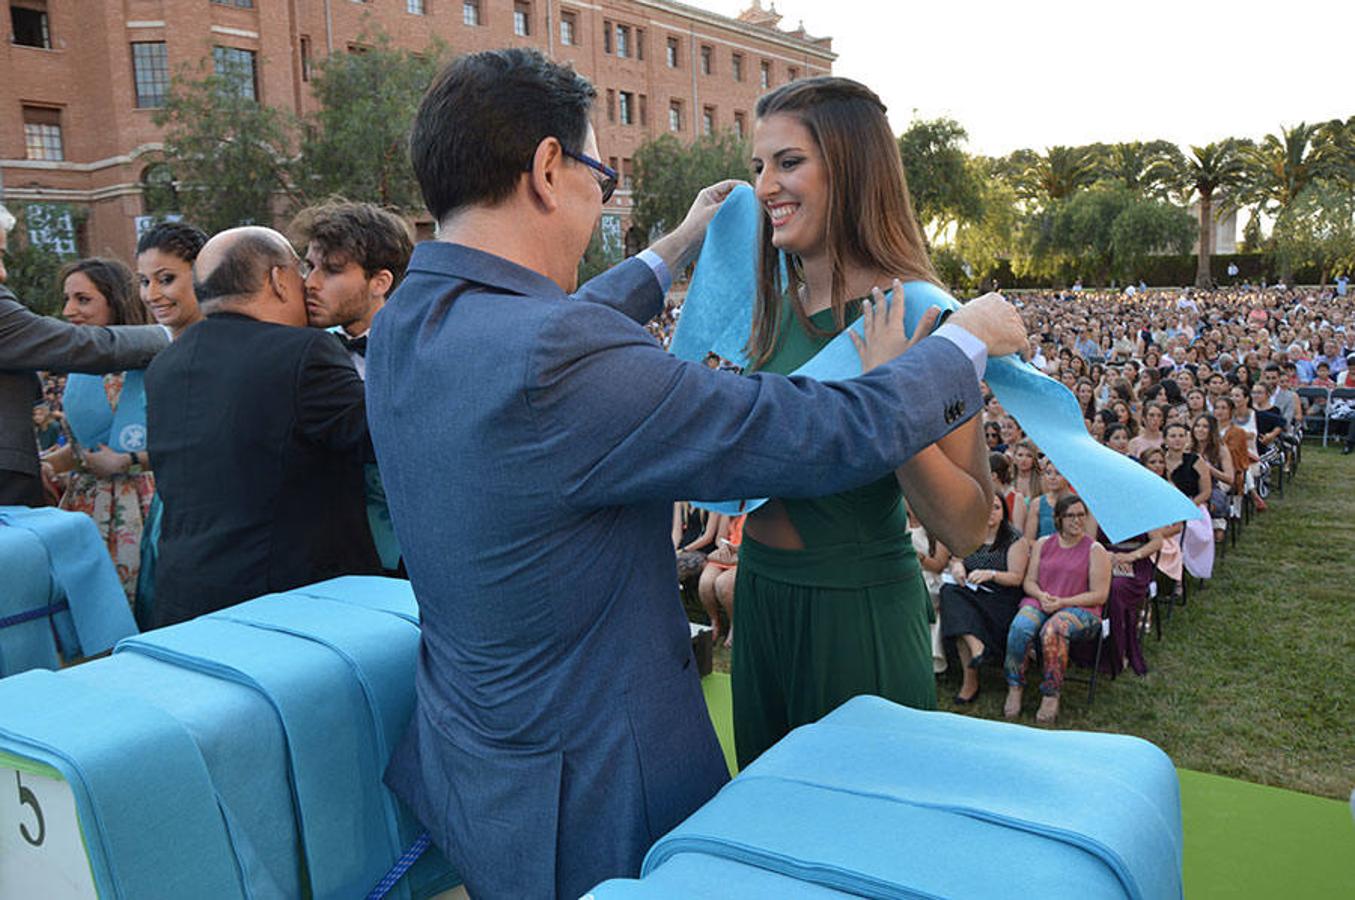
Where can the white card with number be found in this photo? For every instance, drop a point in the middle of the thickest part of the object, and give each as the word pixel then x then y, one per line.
pixel 41 853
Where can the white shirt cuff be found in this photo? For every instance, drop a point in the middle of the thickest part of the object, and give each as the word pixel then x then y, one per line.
pixel 658 267
pixel 971 346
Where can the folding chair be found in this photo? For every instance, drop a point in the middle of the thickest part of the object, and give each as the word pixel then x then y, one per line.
pixel 1348 395
pixel 1315 424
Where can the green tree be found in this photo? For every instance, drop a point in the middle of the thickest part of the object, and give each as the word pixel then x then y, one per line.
pixel 1146 227
pixel 1284 166
pixel 943 184
pixel 48 244
pixel 1318 229
pixel 357 143
pixel 981 244
pixel 229 153
pixel 1212 172
pixel 669 174
pixel 1136 165
pixel 1057 174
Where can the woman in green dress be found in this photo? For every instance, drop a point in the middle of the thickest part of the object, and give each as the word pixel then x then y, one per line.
pixel 831 602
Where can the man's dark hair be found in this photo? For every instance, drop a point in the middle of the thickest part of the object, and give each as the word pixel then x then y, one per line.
pixel 362 233
pixel 242 269
pixel 1272 367
pixel 482 119
pixel 175 238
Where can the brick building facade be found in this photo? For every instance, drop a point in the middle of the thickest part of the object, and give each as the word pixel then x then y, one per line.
pixel 80 81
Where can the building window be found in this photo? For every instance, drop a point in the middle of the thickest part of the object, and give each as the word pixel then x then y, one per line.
pixel 242 4
pixel 675 115
pixel 150 71
pixel 644 110
pixel 569 24
pixel 736 65
pixel 765 74
pixel 522 19
pixel 305 58
pixel 237 67
pixel 627 108
pixel 673 53
pixel 792 73
pixel 739 125
pixel 28 21
pixel 42 133
pixel 708 120
pixel 611 107
pixel 627 175
pixel 606 36
pixel 470 12
pixel 707 54
pixel 415 7
pixel 639 43
pixel 623 41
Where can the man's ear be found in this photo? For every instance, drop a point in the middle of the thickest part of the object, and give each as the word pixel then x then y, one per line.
pixel 276 283
pixel 379 285
pixel 543 181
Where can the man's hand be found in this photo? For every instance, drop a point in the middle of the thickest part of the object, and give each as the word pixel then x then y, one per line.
pixel 680 246
pixel 884 336
pixel 994 321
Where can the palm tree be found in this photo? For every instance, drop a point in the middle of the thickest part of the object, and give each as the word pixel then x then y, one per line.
pixel 1284 165
pixel 1057 174
pixel 1213 171
pixel 1136 165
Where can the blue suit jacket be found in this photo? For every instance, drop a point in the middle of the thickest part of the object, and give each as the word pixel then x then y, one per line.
pixel 531 445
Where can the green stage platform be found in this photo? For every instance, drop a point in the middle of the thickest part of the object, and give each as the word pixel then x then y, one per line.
pixel 1242 840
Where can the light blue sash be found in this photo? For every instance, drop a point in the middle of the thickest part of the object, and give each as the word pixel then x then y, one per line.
pixel 1126 498
pixel 83 571
pixel 93 422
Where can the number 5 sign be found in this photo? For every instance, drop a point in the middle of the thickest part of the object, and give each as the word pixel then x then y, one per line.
pixel 41 851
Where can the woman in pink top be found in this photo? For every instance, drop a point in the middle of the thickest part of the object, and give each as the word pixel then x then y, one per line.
pixel 1067 582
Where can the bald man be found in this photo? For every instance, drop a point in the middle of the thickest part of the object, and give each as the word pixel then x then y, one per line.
pixel 258 436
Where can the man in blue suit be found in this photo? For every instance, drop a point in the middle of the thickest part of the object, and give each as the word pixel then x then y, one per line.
pixel 532 443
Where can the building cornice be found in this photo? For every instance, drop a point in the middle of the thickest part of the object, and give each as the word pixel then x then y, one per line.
pixel 752 31
pixel 43 165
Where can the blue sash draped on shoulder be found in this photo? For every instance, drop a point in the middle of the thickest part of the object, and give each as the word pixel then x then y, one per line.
pixel 94 422
pixel 1126 498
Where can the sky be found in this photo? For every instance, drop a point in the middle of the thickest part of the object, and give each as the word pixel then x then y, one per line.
pixel 1039 74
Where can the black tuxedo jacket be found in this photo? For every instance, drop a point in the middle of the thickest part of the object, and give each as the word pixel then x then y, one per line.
pixel 258 435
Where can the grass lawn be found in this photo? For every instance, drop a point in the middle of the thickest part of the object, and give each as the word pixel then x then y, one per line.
pixel 1255 678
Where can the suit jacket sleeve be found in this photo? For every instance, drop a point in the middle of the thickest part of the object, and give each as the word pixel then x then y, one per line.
pixel 623 421
pixel 31 341
pixel 630 288
pixel 331 404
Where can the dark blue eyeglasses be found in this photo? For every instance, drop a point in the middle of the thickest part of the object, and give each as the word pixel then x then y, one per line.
pixel 608 180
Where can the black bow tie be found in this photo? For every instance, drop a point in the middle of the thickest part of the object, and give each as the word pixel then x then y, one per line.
pixel 356 345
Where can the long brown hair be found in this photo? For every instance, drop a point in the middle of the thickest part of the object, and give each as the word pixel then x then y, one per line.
pixel 870 218
pixel 114 281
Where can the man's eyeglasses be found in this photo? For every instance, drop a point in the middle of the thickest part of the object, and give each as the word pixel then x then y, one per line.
pixel 607 181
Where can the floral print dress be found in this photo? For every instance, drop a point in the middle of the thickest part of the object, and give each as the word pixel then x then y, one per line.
pixel 118 505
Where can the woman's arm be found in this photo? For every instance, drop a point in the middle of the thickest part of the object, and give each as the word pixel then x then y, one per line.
pixel 936 562
pixel 1018 555
pixel 677 524
pixel 1206 482
pixel 1098 581
pixel 1032 581
pixel 1030 523
pixel 708 536
pixel 949 487
pixel 62 459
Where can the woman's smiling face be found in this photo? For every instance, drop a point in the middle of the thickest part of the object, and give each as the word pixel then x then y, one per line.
pixel 791 183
